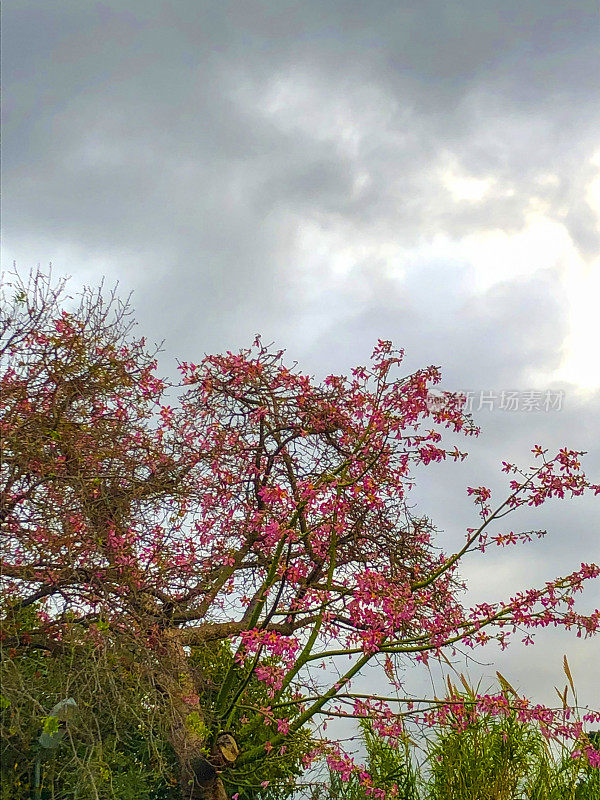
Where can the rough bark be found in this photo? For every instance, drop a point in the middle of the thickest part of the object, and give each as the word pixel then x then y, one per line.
pixel 201 776
pixel 199 771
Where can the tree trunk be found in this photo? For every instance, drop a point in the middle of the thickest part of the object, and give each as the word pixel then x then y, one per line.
pixel 200 775
pixel 199 771
pixel 200 781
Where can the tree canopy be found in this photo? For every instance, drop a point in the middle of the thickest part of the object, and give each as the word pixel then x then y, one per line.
pixel 251 506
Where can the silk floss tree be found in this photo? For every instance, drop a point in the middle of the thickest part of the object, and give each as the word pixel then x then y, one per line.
pixel 254 507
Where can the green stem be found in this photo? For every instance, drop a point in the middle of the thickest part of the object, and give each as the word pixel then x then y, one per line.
pixel 227 685
pixel 37 778
pixel 258 751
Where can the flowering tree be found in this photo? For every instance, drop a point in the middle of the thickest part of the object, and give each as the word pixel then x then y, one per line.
pixel 256 507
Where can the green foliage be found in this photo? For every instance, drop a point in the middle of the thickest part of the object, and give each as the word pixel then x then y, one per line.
pixel 390 767
pixel 89 722
pixel 501 758
pixel 493 758
pixel 489 760
pixel 565 778
pixel 78 724
pixel 92 720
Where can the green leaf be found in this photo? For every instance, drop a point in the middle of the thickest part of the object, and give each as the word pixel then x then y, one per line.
pixel 50 725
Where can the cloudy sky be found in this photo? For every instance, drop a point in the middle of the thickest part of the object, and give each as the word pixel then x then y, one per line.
pixel 330 172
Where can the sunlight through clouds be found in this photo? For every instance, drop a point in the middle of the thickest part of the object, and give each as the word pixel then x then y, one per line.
pixel 581 364
pixel 352 261
pixel 463 186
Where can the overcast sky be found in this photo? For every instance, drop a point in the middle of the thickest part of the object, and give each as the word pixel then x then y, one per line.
pixel 328 173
